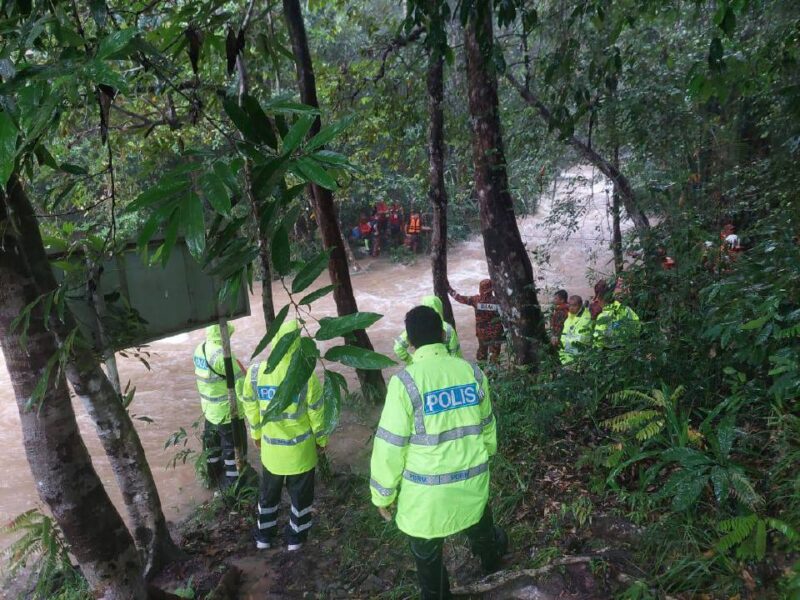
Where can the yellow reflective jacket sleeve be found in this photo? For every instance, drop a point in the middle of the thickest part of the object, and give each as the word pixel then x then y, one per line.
pixel 401 348
pixel 251 403
pixel 391 445
pixel 489 431
pixel 316 410
pixel 453 345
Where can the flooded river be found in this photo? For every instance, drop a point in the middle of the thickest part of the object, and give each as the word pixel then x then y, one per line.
pixel 166 395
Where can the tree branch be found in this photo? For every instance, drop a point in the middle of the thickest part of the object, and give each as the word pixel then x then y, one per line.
pixel 605 166
pixel 395 44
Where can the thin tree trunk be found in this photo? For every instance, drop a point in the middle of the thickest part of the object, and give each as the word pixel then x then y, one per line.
pixel 437 193
pixel 621 182
pixel 616 243
pixel 112 422
pixel 371 381
pixel 65 478
pixel 509 265
pixel 264 258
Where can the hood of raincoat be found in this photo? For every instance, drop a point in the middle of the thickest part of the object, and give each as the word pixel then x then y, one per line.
pixel 435 303
pixel 214 335
pixel 288 327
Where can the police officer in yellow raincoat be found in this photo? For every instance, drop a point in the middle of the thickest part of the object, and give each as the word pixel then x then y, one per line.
pixel 451 342
pixel 288 444
pixel 209 370
pixel 577 332
pixel 431 454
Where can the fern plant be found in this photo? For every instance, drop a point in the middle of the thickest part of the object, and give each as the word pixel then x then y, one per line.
pixel 647 423
pixel 748 535
pixel 42 550
pixel 697 460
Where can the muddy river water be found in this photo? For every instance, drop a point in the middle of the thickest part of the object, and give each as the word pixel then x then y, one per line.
pixel 166 394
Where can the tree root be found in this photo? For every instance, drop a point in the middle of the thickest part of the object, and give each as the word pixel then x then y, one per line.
pixel 501 578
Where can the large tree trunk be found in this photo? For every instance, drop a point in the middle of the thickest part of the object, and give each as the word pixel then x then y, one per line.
pixel 113 423
pixel 436 189
pixel 509 266
pixel 621 183
pixel 371 381
pixel 65 478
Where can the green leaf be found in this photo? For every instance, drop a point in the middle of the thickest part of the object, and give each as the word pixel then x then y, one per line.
pixel 313 172
pixel 755 323
pixel 271 331
pixel 164 251
pixel 280 349
pixel 332 390
pixel 301 368
pixel 224 172
pixel 154 222
pixel 317 294
pixel 310 271
pixel 115 42
pixel 289 107
pixel 262 127
pixel 215 192
pixel 333 327
pixel 194 226
pixel 265 176
pixel 358 358
pixel 328 133
pixel 281 251
pixel 163 190
pixel 8 147
pixel 73 169
pixel 240 119
pixel 43 157
pixel 296 134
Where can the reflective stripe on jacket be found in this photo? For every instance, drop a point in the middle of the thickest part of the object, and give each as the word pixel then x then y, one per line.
pixel 401 344
pixel 209 371
pixel 433 444
pixel 577 332
pixel 289 440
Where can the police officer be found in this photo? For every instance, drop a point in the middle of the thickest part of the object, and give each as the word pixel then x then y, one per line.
pixel 288 444
pixel 209 370
pixel 450 336
pixel 577 332
pixel 431 455
pixel 615 320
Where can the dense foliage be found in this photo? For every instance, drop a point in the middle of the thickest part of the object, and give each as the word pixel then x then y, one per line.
pixel 129 121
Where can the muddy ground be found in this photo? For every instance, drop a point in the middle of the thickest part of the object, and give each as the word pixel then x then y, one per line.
pixel 558 551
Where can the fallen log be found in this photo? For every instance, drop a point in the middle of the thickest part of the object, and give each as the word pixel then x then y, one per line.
pixel 501 578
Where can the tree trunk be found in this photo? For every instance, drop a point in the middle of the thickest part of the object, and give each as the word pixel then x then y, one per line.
pixel 436 188
pixel 509 265
pixel 65 478
pixel 371 381
pixel 264 258
pixel 616 243
pixel 113 423
pixel 621 183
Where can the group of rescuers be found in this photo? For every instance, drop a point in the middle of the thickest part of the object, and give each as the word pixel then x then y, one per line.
pixel 435 437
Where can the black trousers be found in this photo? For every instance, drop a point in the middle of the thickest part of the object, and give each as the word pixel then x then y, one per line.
pixel 218 441
pixel 301 494
pixel 431 572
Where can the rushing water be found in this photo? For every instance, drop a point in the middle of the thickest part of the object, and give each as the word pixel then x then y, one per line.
pixel 166 398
